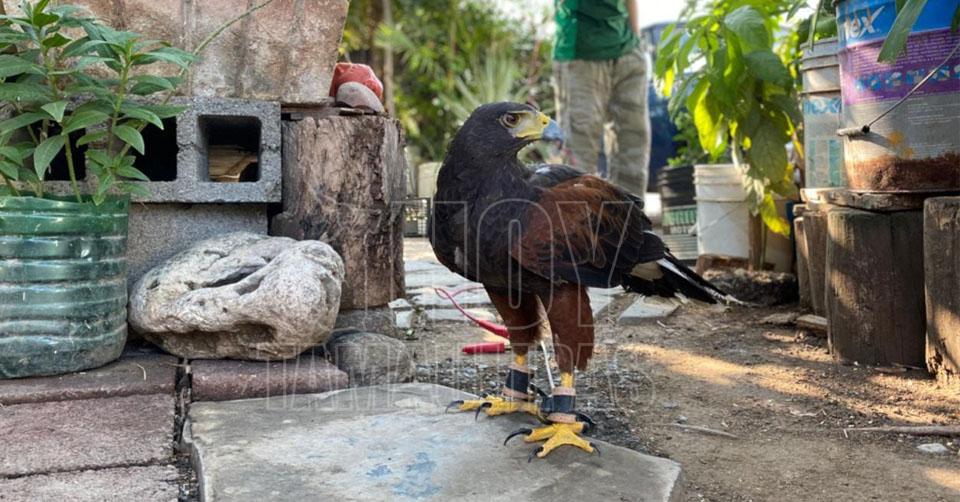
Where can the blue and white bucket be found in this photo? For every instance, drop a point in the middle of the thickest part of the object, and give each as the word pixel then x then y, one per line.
pixel 916 147
pixel 821 104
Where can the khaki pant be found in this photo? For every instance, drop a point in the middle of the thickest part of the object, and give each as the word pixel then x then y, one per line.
pixel 611 95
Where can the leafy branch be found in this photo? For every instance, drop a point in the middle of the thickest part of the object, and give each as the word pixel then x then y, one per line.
pixel 722 65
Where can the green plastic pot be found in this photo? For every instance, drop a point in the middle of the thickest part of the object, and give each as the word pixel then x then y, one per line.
pixel 63 287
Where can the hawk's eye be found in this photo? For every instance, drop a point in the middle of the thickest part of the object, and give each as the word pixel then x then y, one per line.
pixel 510 120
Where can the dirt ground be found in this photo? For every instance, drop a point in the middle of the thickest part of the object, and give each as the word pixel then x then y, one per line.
pixel 778 392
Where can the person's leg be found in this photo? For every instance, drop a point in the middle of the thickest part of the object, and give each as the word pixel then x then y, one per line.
pixel 582 89
pixel 630 148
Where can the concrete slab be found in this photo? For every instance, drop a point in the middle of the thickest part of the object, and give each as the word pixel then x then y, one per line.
pixel 454 315
pixel 646 308
pixel 395 443
pixel 135 375
pixel 223 380
pixel 86 434
pixel 143 484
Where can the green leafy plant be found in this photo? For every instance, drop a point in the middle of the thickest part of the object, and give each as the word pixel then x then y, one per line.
pixel 433 49
pixel 723 65
pixel 689 151
pixel 64 75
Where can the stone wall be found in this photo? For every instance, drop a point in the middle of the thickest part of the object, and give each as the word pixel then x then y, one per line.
pixel 284 52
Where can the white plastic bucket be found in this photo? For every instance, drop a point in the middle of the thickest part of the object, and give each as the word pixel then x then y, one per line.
pixel 723 214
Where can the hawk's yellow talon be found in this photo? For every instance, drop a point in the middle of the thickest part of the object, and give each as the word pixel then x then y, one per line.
pixel 557 435
pixel 495 405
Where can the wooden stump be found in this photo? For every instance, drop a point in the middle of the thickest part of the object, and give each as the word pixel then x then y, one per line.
pixel 815 239
pixel 343 184
pixel 941 255
pixel 875 286
pixel 803 266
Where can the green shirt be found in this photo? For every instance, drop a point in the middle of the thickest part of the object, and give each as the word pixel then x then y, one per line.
pixel 593 29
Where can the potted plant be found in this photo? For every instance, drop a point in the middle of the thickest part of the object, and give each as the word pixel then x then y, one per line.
pixel 724 64
pixel 74 91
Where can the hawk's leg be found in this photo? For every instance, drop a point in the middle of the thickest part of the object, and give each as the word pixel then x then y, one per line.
pixel 568 309
pixel 522 314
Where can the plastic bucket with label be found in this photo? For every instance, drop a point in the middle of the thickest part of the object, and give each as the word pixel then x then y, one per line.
pixel 916 147
pixel 823 149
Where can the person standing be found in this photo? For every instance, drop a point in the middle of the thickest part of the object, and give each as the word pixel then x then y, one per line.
pixel 600 78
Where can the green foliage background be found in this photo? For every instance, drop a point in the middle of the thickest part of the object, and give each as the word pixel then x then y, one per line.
pixel 450 55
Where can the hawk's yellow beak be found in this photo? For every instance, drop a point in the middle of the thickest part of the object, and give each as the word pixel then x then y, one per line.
pixel 539 126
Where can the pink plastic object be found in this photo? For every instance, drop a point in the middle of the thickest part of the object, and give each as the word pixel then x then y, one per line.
pixel 352 72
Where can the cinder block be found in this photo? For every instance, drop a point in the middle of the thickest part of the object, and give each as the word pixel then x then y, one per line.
pixel 207 121
pixel 159 231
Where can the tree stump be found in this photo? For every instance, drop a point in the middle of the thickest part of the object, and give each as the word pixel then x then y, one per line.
pixel 815 239
pixel 941 255
pixel 343 184
pixel 875 286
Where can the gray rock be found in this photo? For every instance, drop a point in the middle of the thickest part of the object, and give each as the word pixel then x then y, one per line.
pixel 242 296
pixel 405 319
pixel 395 443
pixel 934 448
pixel 371 358
pixel 357 95
pixel 371 319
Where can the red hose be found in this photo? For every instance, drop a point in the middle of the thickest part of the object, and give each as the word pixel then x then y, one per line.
pixel 496 329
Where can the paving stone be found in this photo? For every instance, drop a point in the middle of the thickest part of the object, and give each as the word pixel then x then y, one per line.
pixel 454 315
pixel 395 443
pixel 85 434
pixel 427 297
pixel 223 380
pixel 142 484
pixel 400 304
pixel 647 307
pixel 130 375
pixel 599 302
pixel 411 266
pixel 435 278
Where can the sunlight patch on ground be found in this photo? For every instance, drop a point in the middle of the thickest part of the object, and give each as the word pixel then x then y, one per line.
pixel 784 380
pixel 948 478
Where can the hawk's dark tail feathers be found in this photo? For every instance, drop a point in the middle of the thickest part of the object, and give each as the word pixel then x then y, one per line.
pixel 668 276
